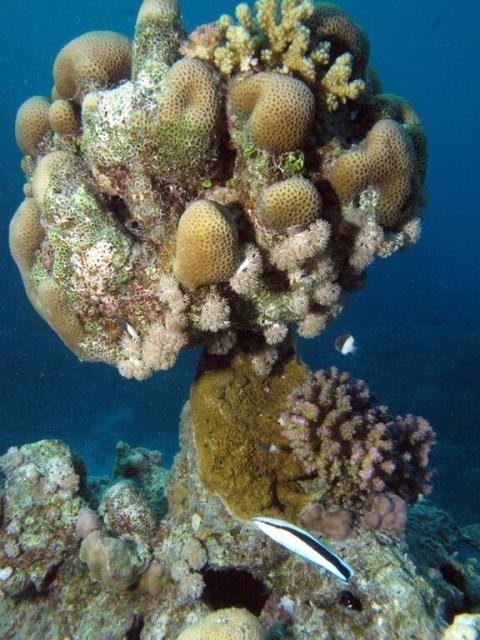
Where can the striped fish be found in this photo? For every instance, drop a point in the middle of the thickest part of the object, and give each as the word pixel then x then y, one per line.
pixel 305 545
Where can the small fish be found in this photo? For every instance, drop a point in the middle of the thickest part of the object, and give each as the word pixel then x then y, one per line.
pixel 305 545
pixel 345 344
pixel 129 330
pixel 269 447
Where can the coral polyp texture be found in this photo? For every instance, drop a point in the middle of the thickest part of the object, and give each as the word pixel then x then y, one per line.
pixel 354 452
pixel 194 190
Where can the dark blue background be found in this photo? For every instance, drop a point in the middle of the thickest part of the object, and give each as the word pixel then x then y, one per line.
pixel 417 321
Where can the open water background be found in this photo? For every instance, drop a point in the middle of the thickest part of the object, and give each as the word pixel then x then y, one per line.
pixel 416 322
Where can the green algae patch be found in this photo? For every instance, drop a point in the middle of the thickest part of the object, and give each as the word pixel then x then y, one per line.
pixel 242 456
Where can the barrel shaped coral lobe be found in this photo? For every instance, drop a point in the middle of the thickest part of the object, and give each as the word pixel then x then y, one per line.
pixel 207 247
pixel 96 59
pixel 62 117
pixel 292 202
pixel 31 123
pixel 280 109
pixel 387 160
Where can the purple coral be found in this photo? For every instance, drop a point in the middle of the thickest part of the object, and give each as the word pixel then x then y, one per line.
pixel 352 450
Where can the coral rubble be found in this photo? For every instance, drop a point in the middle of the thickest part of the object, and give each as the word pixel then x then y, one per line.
pixel 204 572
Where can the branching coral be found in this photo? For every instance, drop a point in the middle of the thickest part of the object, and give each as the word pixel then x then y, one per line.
pixel 337 84
pixel 353 449
pixel 295 38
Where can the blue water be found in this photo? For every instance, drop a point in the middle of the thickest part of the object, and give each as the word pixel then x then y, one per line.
pixel 417 321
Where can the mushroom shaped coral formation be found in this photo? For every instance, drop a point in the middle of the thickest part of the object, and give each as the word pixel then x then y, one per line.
pixel 387 160
pixel 293 202
pixel 207 246
pixel 31 123
pixel 96 59
pixel 111 185
pixel 225 624
pixel 281 109
pixel 63 117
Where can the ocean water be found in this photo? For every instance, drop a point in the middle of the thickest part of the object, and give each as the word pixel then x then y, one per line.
pixel 416 322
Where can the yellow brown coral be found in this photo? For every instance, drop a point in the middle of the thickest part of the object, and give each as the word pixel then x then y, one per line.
pixel 157 11
pixel 388 105
pixel 46 171
pixel 191 97
pixel 207 246
pixel 52 305
pixel 25 235
pixel 96 59
pixel 292 202
pixel 49 300
pixel 31 123
pixel 224 397
pixel 387 160
pixel 63 117
pixel 225 624
pixel 280 109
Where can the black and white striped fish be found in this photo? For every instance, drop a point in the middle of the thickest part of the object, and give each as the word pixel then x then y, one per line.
pixel 305 545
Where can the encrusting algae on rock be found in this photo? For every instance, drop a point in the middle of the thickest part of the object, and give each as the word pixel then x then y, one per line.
pixel 222 189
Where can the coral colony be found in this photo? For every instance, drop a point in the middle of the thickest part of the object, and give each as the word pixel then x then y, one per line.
pixel 220 189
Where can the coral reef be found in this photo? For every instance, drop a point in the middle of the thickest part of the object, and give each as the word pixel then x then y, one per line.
pixel 210 573
pixel 202 190
pixel 220 190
